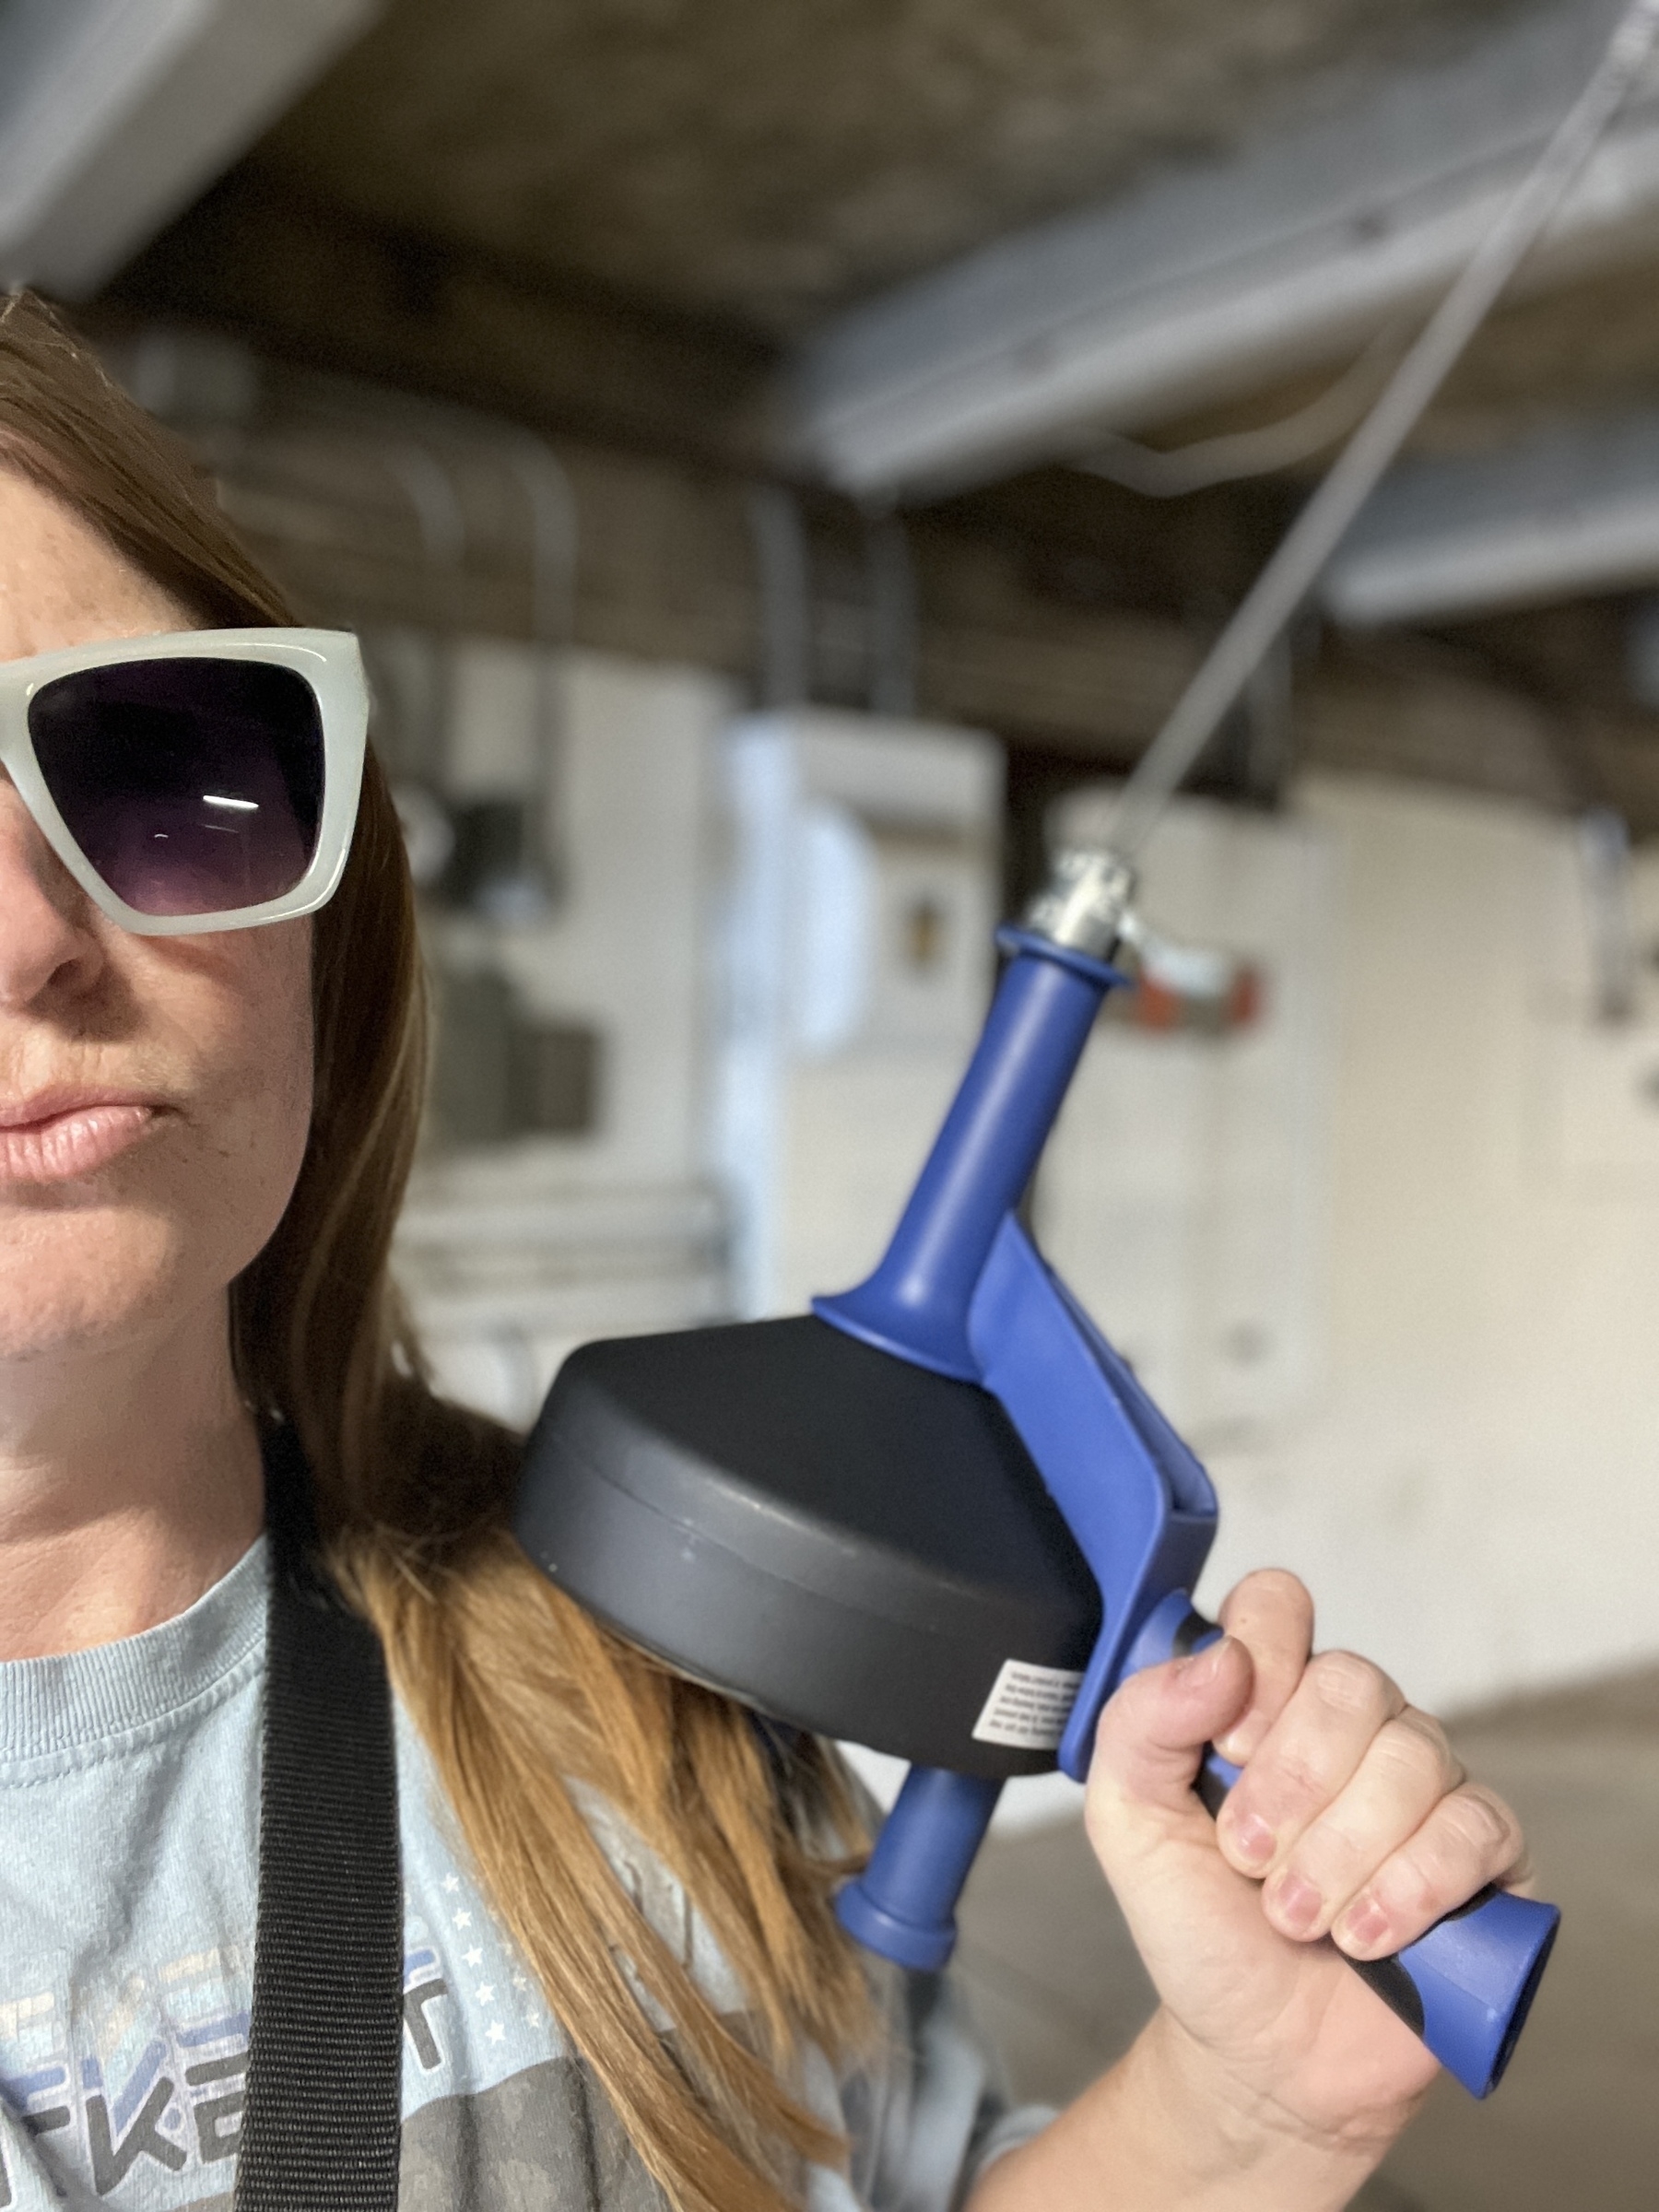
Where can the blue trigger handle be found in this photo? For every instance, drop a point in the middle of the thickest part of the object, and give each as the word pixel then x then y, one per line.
pixel 1467 1985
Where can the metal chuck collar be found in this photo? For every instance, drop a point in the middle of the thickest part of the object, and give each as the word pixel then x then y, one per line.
pixel 1085 903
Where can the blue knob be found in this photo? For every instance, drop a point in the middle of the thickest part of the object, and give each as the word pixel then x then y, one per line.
pixel 903 1905
pixel 1467 1985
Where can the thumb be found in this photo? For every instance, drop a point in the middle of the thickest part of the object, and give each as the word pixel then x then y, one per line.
pixel 1153 1733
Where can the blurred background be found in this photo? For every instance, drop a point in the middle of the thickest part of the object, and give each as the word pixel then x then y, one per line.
pixel 784 464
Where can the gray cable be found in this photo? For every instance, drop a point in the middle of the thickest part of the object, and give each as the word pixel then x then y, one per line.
pixel 1286 581
pixel 1173 471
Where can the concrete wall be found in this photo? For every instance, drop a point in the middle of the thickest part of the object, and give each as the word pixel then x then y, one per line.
pixel 1472 1484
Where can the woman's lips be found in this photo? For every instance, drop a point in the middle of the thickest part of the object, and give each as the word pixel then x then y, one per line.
pixel 57 1143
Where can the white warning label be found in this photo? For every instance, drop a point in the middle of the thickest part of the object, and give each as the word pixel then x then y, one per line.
pixel 1029 1706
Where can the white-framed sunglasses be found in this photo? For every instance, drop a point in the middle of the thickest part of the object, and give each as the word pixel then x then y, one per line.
pixel 200 781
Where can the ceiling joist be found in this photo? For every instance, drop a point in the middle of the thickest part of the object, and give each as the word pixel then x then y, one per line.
pixel 1217 279
pixel 115 113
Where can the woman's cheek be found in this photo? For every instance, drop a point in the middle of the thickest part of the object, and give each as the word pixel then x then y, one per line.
pixel 275 1081
pixel 241 1011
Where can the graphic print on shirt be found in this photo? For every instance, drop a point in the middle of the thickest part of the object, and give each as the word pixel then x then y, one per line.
pixel 132 2094
pixel 461 1954
pixel 148 2075
pixel 129 1809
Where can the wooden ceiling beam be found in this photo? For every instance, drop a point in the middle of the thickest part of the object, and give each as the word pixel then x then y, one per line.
pixel 308 282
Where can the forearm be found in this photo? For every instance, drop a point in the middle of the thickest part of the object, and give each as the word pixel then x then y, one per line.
pixel 1165 2132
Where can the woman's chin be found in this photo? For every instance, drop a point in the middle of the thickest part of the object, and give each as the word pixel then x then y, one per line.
pixel 58 1297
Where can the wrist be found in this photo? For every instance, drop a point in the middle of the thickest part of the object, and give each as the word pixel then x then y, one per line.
pixel 1171 2128
pixel 1238 2144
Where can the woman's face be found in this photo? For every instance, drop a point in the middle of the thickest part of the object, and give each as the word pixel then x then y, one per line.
pixel 154 1092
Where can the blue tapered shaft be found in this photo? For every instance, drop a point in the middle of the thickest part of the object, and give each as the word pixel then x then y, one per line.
pixel 916 1303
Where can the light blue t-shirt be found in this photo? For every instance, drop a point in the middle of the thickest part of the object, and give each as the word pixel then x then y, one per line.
pixel 129 1802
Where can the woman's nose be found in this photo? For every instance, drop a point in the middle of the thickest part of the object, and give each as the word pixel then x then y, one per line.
pixel 46 942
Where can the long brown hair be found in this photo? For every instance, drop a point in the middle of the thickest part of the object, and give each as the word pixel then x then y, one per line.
pixel 517 1693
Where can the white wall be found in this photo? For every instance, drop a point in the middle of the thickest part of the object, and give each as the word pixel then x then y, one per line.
pixel 1472 1485
pixel 1185 1191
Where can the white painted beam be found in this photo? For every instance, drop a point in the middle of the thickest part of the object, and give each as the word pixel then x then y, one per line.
pixel 115 113
pixel 1211 281
pixel 1573 509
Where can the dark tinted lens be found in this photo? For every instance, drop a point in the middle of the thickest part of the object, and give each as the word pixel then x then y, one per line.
pixel 193 786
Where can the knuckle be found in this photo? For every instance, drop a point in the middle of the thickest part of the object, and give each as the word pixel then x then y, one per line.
pixel 1126 1700
pixel 1295 1778
pixel 1347 1686
pixel 1129 1711
pixel 1114 1727
pixel 1416 1751
pixel 1327 1854
pixel 1483 1824
pixel 1414 1893
pixel 1472 1834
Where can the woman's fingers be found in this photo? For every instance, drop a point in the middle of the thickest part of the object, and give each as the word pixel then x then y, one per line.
pixel 1312 1750
pixel 1405 1771
pixel 1272 1614
pixel 1355 1814
pixel 1351 1809
pixel 1471 1838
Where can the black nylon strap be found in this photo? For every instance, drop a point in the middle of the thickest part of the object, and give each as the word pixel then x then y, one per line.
pixel 321 2125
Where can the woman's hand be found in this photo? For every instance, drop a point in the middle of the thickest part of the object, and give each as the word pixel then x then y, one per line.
pixel 1271 2080
pixel 1352 1820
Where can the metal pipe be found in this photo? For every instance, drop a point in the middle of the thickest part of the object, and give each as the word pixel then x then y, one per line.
pixel 555 549
pixel 892 579
pixel 780 557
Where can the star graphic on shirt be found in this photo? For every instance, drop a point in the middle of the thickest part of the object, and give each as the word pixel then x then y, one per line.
pixel 533 2019
pixel 452 1882
pixel 474 1957
pixel 497 2033
pixel 463 1920
pixel 519 1981
pixel 484 1993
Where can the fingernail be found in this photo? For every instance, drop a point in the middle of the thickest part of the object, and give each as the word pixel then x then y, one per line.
pixel 1296 1904
pixel 1251 1837
pixel 1363 1926
pixel 1194 1673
